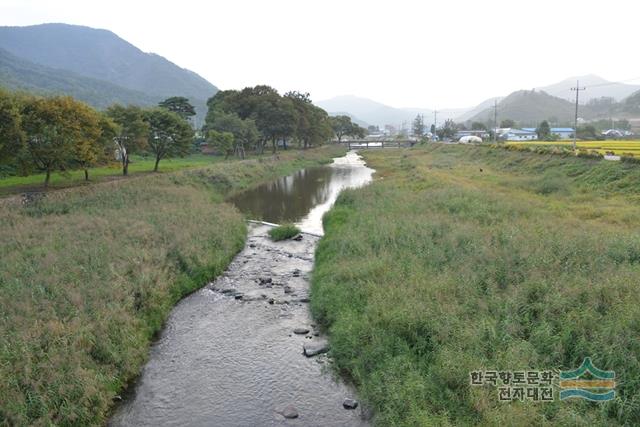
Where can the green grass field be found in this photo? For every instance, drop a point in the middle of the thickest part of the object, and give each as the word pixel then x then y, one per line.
pixel 631 148
pixel 463 258
pixel 88 275
pixel 139 165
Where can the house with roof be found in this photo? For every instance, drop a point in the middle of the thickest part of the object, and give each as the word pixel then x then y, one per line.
pixel 518 135
pixel 562 133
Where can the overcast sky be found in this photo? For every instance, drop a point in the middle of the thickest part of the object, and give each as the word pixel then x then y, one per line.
pixel 402 53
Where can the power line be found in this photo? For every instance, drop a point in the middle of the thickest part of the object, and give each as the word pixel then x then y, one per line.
pixel 560 91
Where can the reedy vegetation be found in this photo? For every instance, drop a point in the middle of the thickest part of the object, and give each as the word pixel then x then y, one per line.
pixel 468 258
pixel 88 275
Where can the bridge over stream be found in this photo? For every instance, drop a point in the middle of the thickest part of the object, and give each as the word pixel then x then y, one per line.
pixel 378 143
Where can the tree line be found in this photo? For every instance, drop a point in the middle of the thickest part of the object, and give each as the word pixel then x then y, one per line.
pixel 59 133
pixel 255 117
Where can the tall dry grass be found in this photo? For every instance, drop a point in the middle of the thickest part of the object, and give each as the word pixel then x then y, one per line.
pixel 88 275
pixel 471 258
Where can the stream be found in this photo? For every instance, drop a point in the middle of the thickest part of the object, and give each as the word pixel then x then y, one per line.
pixel 233 353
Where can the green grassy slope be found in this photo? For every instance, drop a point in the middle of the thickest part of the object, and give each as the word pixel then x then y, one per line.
pixel 88 275
pixel 471 258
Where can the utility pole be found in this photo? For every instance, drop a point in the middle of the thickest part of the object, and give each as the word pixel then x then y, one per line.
pixel 495 121
pixel 575 130
pixel 435 123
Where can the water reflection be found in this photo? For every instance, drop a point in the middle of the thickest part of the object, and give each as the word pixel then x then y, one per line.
pixel 306 195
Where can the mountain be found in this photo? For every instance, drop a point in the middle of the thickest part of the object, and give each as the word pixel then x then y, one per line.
pixel 20 74
pixel 470 113
pixel 376 113
pixel 530 107
pixel 369 111
pixel 596 86
pixel 102 55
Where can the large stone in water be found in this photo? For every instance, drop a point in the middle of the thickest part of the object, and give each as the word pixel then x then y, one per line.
pixel 290 412
pixel 313 349
pixel 300 331
pixel 349 403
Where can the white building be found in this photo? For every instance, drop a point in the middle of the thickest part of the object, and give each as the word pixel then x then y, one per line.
pixel 518 135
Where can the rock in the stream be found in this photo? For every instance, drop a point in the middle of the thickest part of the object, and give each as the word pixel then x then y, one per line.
pixel 290 412
pixel 300 331
pixel 265 280
pixel 313 349
pixel 298 238
pixel 287 289
pixel 238 296
pixel 350 403
pixel 296 273
pixel 304 299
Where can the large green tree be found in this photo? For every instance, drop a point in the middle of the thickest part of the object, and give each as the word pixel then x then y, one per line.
pixel 131 132
pixel 544 131
pixel 312 123
pixel 222 141
pixel 54 128
pixel 448 130
pixel 341 126
pixel 179 105
pixel 11 134
pixel 90 148
pixel 169 134
pixel 418 126
pixel 275 118
pixel 245 133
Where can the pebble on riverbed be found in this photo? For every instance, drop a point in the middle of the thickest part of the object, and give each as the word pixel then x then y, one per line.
pixel 301 331
pixel 290 412
pixel 349 403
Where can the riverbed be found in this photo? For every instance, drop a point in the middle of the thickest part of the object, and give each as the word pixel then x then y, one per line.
pixel 231 354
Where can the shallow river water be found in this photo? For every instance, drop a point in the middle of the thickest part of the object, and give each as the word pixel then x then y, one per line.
pixel 228 355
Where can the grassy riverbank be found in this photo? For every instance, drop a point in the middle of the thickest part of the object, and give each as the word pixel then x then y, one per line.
pixel 468 258
pixel 139 166
pixel 88 275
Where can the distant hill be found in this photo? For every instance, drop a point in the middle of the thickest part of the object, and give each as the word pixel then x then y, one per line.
pixel 597 87
pixel 470 113
pixel 20 74
pixel 102 55
pixel 531 107
pixel 379 114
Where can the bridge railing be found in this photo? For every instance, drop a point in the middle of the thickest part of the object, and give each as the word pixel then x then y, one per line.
pixel 390 143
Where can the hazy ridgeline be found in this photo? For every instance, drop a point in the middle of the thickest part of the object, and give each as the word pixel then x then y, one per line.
pixel 88 275
pixel 466 258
